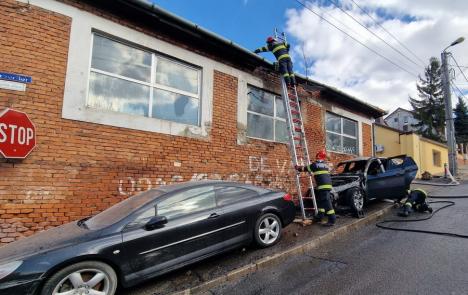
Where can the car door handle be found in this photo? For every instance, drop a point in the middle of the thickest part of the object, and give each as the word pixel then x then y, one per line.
pixel 213 215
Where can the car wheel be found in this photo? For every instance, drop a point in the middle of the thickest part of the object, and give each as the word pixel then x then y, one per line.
pixel 89 277
pixel 355 198
pixel 267 230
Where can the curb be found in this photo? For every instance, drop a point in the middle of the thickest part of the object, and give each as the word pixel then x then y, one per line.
pixel 279 257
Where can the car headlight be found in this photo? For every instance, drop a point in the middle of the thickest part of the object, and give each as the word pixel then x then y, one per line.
pixel 8 268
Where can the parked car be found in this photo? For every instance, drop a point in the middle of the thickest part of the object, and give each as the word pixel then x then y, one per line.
pixel 144 236
pixel 362 179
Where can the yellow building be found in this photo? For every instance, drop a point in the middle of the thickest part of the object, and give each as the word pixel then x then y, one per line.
pixel 430 155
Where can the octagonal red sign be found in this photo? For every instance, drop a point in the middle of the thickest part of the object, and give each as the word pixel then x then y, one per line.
pixel 17 134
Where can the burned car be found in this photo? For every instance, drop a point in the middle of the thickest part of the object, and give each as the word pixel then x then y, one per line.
pixel 362 179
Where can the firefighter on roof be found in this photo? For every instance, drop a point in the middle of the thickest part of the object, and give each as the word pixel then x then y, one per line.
pixel 416 201
pixel 281 52
pixel 324 186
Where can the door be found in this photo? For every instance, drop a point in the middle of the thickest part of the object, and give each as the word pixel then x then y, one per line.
pixel 192 230
pixel 238 205
pixel 378 181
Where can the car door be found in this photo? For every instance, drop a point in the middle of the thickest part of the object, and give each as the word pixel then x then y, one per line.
pixel 238 205
pixel 386 183
pixel 192 230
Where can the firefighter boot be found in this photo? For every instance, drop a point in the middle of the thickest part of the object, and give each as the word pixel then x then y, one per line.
pixel 331 220
pixel 405 212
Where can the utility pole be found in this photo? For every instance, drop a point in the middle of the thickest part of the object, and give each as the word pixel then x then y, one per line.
pixel 452 155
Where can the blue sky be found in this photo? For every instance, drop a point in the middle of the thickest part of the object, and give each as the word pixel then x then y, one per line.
pixel 424 26
pixel 246 22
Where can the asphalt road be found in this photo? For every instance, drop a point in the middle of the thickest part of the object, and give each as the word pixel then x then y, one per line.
pixel 374 261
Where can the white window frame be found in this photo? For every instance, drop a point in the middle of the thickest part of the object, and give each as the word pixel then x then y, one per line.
pixel 274 117
pixel 342 134
pixel 152 84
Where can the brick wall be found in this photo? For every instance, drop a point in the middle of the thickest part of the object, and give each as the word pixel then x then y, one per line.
pixel 79 169
pixel 367 140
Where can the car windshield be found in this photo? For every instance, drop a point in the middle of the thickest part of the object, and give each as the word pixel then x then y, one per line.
pixel 121 210
pixel 351 167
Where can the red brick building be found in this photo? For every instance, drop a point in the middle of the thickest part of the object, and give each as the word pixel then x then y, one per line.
pixel 126 97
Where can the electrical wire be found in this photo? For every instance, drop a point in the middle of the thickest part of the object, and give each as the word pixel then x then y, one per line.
pixel 366 28
pixel 456 87
pixel 356 40
pixel 448 204
pixel 390 34
pixel 458 66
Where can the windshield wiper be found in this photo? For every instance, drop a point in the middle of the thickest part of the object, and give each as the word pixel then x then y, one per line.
pixel 82 222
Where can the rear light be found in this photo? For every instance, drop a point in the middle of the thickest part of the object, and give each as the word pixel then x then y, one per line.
pixel 287 197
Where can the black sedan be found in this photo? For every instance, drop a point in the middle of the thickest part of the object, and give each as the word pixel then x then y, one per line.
pixel 144 236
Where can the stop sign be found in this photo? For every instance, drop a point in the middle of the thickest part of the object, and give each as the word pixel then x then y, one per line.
pixel 17 134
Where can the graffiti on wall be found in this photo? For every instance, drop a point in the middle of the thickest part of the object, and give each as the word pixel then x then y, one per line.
pixel 261 171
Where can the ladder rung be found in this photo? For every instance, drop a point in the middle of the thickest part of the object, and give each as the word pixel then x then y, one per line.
pixel 298 129
pixel 294 112
pixel 295 120
pixel 293 103
pixel 309 208
pixel 299 147
pixel 297 138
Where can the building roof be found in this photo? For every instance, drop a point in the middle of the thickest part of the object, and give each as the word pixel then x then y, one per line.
pixel 144 11
pixel 399 109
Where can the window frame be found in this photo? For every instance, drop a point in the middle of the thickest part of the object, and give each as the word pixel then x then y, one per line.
pixel 274 117
pixel 342 134
pixel 155 56
pixel 218 190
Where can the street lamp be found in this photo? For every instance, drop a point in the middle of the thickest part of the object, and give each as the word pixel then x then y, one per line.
pixel 448 109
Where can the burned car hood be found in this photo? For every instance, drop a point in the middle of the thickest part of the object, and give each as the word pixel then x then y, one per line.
pixel 58 237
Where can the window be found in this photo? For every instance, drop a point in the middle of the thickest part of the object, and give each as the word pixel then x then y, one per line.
pixel 187 202
pixel 266 117
pixel 436 158
pixel 341 134
pixel 131 80
pixel 395 120
pixel 230 195
pixel 405 119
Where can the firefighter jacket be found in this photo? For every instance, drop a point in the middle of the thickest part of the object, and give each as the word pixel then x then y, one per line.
pixel 321 175
pixel 279 49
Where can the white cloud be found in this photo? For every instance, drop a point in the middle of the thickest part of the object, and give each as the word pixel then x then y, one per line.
pixel 426 27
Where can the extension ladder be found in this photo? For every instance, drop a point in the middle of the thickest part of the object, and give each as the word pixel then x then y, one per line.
pixel 297 141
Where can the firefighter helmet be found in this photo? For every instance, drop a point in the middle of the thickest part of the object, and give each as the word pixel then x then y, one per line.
pixel 270 39
pixel 321 155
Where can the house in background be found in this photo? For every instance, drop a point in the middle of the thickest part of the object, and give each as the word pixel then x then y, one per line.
pixel 402 120
pixel 428 154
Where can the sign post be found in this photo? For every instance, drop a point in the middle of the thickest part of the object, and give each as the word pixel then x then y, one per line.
pixel 17 134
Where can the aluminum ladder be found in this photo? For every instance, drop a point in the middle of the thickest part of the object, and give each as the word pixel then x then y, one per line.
pixel 298 145
pixel 297 140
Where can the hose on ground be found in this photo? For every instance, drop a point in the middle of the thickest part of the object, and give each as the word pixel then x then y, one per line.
pixel 383 223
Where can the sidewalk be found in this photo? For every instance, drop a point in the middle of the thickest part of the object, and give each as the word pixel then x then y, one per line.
pixel 216 270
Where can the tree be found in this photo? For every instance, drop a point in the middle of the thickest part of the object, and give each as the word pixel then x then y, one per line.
pixel 429 109
pixel 461 123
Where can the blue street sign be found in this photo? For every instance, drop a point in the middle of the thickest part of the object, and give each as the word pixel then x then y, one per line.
pixel 15 77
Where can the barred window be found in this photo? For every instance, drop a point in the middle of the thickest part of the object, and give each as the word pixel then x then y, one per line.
pixel 266 117
pixel 131 80
pixel 342 134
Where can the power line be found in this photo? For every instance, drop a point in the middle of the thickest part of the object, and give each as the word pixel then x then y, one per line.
pixel 341 30
pixel 380 38
pixel 390 34
pixel 461 92
pixel 451 55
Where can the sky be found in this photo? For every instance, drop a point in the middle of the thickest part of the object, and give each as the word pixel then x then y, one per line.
pixel 384 76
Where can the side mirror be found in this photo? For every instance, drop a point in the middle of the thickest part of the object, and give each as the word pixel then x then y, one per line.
pixel 156 222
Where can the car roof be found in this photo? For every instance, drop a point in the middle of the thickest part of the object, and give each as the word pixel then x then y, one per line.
pixel 356 159
pixel 191 184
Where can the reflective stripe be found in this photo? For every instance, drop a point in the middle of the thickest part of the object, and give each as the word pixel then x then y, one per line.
pixel 329 212
pixel 283 56
pixel 309 169
pixel 420 190
pixel 285 75
pixel 321 172
pixel 325 186
pixel 278 48
pixel 321 210
pixel 408 204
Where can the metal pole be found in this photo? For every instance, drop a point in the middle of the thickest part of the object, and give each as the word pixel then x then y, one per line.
pixel 449 115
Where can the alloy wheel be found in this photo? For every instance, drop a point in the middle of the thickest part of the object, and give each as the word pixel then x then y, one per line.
pixel 84 282
pixel 269 230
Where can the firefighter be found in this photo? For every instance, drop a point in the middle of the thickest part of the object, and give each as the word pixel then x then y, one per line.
pixel 281 52
pixel 324 185
pixel 416 201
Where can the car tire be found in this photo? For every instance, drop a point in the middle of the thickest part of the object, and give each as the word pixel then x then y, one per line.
pixel 82 276
pixel 355 198
pixel 267 230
